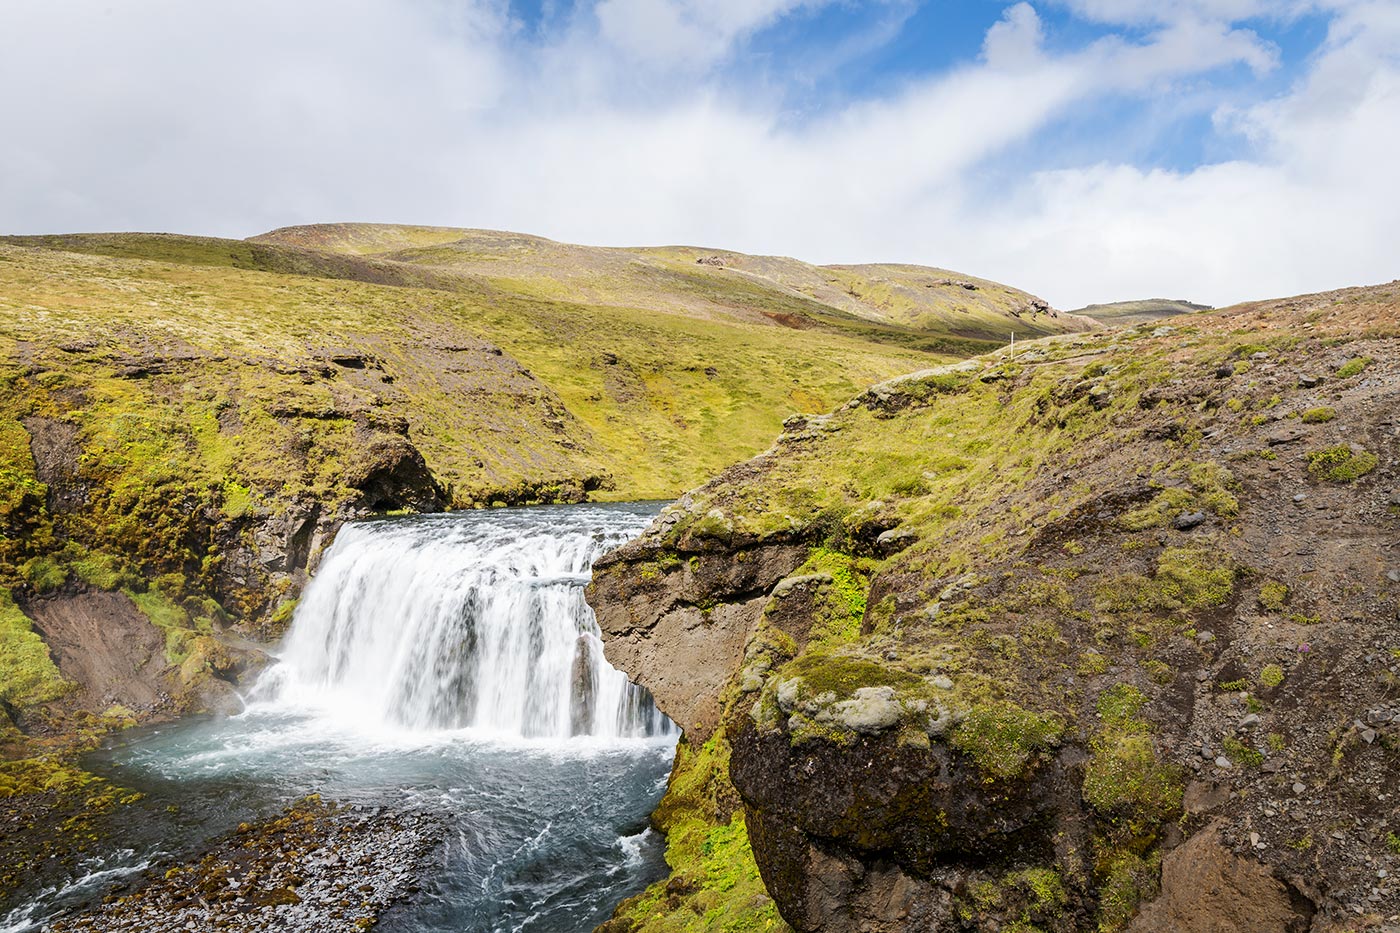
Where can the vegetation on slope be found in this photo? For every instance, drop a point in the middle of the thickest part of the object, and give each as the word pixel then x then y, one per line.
pixel 1083 568
pixel 918 306
pixel 184 420
pixel 1127 313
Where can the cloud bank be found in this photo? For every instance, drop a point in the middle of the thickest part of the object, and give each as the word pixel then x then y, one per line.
pixel 656 121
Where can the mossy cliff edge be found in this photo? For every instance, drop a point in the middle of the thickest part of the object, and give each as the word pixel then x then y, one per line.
pixel 1105 636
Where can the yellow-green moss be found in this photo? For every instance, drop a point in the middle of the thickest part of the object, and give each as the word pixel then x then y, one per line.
pixel 707 849
pixel 166 615
pixel 1126 880
pixel 1017 902
pixel 1320 415
pixel 841 603
pixel 1209 488
pixel 1271 675
pixel 1353 367
pixel 1004 739
pixel 28 675
pixel 1341 464
pixel 1273 596
pixel 1186 578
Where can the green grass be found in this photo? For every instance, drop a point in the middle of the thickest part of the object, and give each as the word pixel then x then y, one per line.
pixel 1146 311
pixel 28 676
pixel 709 856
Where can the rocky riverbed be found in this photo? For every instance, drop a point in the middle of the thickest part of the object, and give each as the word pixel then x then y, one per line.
pixel 316 866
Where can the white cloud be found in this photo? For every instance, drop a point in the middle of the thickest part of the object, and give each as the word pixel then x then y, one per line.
pixel 617 128
pixel 686 32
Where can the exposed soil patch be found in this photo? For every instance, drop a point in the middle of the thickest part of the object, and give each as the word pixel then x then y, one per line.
pixel 104 644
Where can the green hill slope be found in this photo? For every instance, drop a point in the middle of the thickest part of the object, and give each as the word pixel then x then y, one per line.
pixel 185 421
pixel 909 305
pixel 1126 313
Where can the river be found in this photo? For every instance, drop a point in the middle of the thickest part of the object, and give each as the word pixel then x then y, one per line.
pixel 442 664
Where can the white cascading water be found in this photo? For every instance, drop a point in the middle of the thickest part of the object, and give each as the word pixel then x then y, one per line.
pixel 472 620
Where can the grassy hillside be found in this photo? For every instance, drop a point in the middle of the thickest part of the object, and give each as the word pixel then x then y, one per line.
pixel 911 305
pixel 1127 313
pixel 184 421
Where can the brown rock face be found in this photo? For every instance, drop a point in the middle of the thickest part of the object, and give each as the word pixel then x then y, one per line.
pixel 103 643
pixel 679 627
pixel 1206 888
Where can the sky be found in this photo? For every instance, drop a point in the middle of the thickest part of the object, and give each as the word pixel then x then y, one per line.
pixel 1084 150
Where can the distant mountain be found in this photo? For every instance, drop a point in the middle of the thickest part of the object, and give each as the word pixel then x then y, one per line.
pixel 1138 312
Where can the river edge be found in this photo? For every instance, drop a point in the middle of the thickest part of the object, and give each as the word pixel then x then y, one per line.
pixel 62 801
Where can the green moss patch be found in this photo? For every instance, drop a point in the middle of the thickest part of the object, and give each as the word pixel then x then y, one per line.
pixel 714 885
pixel 1273 596
pixel 1353 367
pixel 841 675
pixel 840 605
pixel 1186 579
pixel 1209 488
pixel 28 676
pixel 1004 739
pixel 1341 464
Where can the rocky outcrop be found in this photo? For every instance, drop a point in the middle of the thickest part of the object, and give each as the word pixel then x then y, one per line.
pixel 1206 887
pixel 1101 638
pixel 699 606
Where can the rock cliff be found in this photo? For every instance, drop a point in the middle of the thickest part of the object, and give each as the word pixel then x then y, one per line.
pixel 1103 636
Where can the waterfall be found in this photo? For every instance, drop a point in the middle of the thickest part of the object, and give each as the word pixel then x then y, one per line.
pixel 468 620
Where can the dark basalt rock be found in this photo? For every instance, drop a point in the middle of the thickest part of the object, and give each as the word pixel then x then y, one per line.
pixel 841 831
pixel 393 475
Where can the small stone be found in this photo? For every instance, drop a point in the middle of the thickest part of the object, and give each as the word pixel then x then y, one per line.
pixel 1393 576
pixel 1222 762
pixel 1368 735
pixel 1205 638
pixel 1302 496
pixel 1251 720
pixel 1271 766
pixel 1188 520
pixel 1254 839
pixel 942 682
pixel 1308 382
pixel 1299 787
